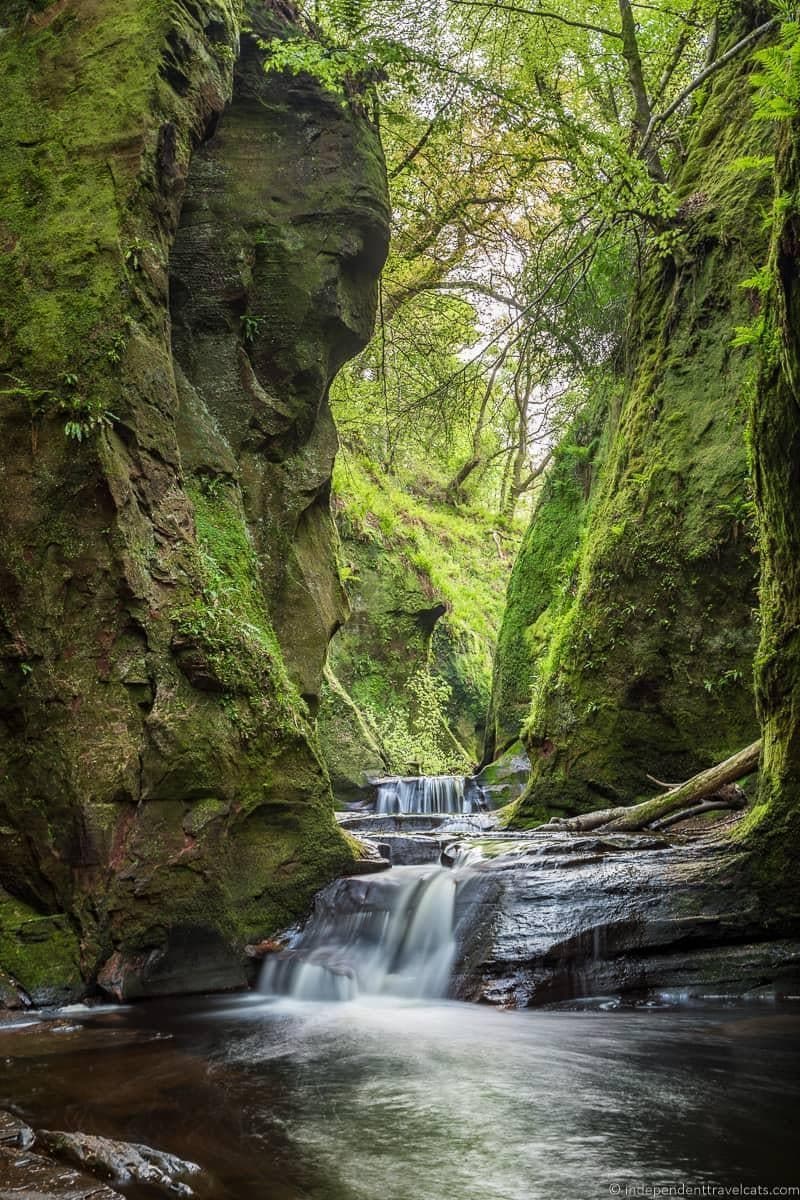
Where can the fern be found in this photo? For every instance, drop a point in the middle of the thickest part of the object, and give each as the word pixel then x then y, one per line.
pixel 777 83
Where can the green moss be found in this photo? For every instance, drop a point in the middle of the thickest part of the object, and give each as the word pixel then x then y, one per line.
pixel 41 953
pixel 228 620
pixel 771 832
pixel 426 584
pixel 640 659
pixel 82 104
pixel 542 577
pixel 169 775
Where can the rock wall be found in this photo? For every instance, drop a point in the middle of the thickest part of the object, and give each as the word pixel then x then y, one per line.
pixel 629 634
pixel 387 640
pixel 410 671
pixel 550 922
pixel 549 548
pixel 167 577
pixel 772 833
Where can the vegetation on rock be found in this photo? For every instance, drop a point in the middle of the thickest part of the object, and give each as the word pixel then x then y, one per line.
pixel 168 581
pixel 559 456
pixel 426 585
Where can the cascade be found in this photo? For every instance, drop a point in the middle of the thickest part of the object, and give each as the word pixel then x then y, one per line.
pixel 428 794
pixel 394 935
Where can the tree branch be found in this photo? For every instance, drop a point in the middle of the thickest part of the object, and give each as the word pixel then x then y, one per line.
pixel 527 483
pixel 537 12
pixel 473 285
pixel 699 80
pixel 712 784
pixel 641 103
pixel 674 61
pixel 422 141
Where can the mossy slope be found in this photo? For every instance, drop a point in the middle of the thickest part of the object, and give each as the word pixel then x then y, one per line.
pixel 426 586
pixel 772 832
pixel 631 612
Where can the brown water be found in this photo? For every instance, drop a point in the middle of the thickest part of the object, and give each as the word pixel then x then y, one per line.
pixel 410 1101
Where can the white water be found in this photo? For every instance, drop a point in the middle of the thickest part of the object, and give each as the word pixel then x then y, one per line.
pixel 398 941
pixel 426 794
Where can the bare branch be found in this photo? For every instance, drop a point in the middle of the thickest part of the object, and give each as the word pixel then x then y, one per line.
pixel 687 18
pixel 422 141
pixel 699 80
pixel 527 483
pixel 660 783
pixel 537 12
pixel 674 61
pixel 641 102
pixel 473 285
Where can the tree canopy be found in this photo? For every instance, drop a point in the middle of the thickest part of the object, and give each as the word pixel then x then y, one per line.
pixel 531 153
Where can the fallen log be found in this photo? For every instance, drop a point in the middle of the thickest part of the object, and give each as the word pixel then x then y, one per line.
pixel 731 798
pixel 711 785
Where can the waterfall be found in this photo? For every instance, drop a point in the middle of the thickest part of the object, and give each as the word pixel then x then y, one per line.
pixel 427 794
pixel 389 935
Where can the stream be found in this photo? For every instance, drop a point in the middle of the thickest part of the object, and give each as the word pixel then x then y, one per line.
pixel 427 1101
pixel 349 1076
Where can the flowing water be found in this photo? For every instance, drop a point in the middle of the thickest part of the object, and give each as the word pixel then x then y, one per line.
pixel 399 941
pixel 351 1078
pixel 428 794
pixel 391 1100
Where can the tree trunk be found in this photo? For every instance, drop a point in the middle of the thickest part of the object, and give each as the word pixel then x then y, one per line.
pixel 731 797
pixel 707 785
pixel 641 102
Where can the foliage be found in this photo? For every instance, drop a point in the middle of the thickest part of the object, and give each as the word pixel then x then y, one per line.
pixel 251 327
pixel 228 619
pixel 777 81
pixel 464 555
pixel 427 587
pixel 410 728
pixel 776 97
pixel 83 415
pixel 532 157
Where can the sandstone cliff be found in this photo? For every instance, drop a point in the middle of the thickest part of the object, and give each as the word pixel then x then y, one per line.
pixel 191 250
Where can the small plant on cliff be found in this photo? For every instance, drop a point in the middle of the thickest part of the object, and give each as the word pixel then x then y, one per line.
pixel 416 730
pixel 777 83
pixel 776 97
pixel 134 255
pixel 251 327
pixel 84 415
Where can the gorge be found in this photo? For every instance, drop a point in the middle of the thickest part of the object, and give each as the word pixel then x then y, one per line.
pixel 399 488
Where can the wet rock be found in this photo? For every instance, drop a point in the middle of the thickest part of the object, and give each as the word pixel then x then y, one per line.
pixel 15 1133
pixel 122 1162
pixel 373 823
pixel 28 1176
pixel 626 915
pixel 12 996
pixel 370 866
pixel 404 849
pixel 248 218
pixel 261 949
pixel 370 859
pixel 504 780
pixel 190 960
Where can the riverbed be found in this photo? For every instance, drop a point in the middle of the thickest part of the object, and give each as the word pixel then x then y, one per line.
pixel 388 1100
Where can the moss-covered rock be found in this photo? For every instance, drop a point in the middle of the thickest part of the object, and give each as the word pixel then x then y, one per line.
pixel 412 665
pixel 772 832
pixel 630 614
pixel 542 572
pixel 351 745
pixel 39 953
pixel 189 255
